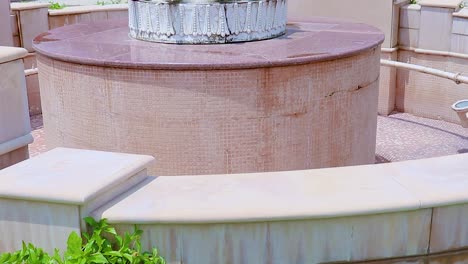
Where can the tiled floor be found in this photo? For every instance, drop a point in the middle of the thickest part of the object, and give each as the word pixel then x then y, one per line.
pixel 400 136
pixel 403 136
pixel 38 146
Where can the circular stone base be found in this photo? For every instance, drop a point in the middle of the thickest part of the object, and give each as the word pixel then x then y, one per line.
pixel 305 100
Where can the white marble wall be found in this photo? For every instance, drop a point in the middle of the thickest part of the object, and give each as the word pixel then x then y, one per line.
pixel 14 118
pixel 5 28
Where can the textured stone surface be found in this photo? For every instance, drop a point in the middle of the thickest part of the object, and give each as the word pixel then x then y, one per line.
pixel 302 241
pixel 410 16
pixel 46 225
pixel 44 198
pixel 14 117
pixel 408 37
pixel 229 121
pixel 32 23
pixel 400 137
pixel 33 179
pixel 376 13
pixel 6 28
pixel 307 194
pixel 429 96
pixel 435 27
pixel 453 4
pixel 79 14
pixel 13 157
pixel 13 102
pixel 452 257
pixel 387 85
pixel 449 229
pixel 32 85
pixel 108 44
pixel 8 54
pixel 39 145
pixel 197 22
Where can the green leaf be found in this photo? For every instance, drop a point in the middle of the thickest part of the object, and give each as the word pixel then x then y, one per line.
pixel 111 230
pixel 96 249
pixel 91 222
pixel 74 244
pixel 128 257
pixel 97 258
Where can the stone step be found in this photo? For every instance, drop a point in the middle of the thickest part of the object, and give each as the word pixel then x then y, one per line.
pixel 44 198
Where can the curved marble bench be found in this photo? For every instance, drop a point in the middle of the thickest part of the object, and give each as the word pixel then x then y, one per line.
pixel 43 199
pixel 15 127
pixel 414 209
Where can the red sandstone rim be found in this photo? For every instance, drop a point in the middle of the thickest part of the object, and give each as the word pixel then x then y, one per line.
pixel 108 44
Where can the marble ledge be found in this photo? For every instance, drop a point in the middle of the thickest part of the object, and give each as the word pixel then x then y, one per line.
pixel 71 176
pixel 108 44
pixel 72 10
pixel 441 3
pixel 294 195
pixel 8 54
pixel 411 7
pixel 463 13
pixel 21 6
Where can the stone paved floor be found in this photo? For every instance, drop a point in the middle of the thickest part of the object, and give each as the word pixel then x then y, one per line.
pixel 400 136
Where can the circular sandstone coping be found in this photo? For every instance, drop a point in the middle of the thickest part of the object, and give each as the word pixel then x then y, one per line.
pixel 108 44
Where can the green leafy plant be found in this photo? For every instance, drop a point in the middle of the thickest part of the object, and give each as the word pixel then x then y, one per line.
pixel 100 3
pixel 103 245
pixel 56 5
pixel 413 2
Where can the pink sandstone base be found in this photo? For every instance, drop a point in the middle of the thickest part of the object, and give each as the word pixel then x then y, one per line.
pixel 219 121
pixel 14 157
pixel 305 100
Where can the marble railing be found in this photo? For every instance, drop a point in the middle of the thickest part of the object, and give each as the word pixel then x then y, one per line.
pixel 409 212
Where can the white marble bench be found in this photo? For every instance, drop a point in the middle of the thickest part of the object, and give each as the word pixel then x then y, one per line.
pixel 43 199
pixel 414 208
pixel 15 128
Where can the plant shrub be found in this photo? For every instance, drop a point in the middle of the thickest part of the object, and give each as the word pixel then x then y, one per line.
pixel 103 245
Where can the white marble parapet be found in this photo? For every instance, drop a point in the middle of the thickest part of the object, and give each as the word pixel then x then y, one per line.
pixel 362 213
pixel 15 126
pixel 44 198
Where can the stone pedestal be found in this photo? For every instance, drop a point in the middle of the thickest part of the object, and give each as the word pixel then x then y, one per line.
pixel 304 100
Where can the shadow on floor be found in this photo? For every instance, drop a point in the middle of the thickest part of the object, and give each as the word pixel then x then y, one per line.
pixel 380 159
pixel 461 151
pixel 429 126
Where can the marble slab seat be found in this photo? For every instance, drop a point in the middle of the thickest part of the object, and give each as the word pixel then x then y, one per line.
pixel 413 208
pixel 43 199
pixel 15 128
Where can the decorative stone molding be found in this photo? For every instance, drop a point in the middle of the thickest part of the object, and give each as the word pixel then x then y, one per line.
pixel 198 22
